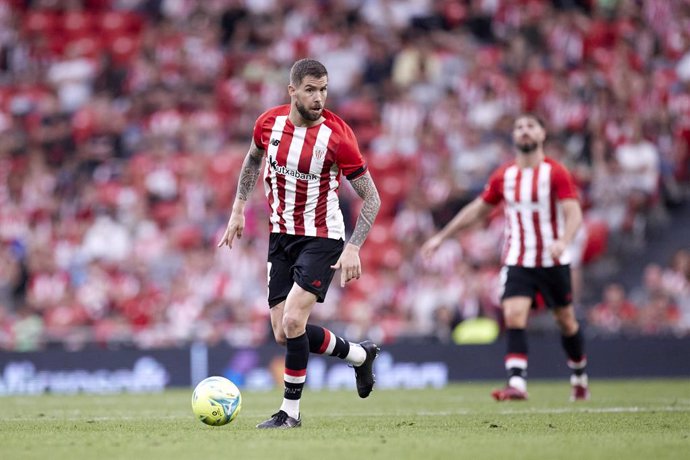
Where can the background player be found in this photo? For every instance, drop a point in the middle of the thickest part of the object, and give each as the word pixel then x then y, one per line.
pixel 543 215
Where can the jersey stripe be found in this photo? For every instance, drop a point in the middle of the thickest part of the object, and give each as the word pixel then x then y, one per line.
pixel 312 209
pixel 555 224
pixel 334 218
pixel 544 194
pixel 292 162
pixel 304 165
pixel 270 176
pixel 513 227
pixel 521 229
pixel 536 223
pixel 527 207
pixel 281 158
pixel 322 204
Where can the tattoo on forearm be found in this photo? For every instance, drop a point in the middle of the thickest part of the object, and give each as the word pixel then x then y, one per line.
pixel 250 172
pixel 365 188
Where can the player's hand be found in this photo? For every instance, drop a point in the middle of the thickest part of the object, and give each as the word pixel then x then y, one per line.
pixel 235 228
pixel 431 245
pixel 349 264
pixel 557 248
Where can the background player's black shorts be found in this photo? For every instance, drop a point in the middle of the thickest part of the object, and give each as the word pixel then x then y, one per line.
pixel 305 260
pixel 553 283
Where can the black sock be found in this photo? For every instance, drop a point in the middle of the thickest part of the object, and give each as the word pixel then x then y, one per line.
pixel 296 360
pixel 575 350
pixel 516 353
pixel 324 342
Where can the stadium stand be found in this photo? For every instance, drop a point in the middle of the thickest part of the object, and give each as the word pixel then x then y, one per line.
pixel 123 124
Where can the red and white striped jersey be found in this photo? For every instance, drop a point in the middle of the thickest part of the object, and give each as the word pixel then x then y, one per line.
pixel 303 170
pixel 534 215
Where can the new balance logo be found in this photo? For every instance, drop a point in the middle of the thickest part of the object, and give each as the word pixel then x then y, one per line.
pixel 316 283
pixel 275 142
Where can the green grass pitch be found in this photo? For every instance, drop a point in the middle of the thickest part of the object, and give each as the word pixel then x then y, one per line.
pixel 638 419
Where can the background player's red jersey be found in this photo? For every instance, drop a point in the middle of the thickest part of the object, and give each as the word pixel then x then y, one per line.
pixel 533 211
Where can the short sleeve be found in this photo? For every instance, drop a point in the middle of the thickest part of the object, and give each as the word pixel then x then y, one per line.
pixel 493 190
pixel 349 158
pixel 258 133
pixel 563 183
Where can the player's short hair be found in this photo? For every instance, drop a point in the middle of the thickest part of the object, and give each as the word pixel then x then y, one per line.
pixel 304 68
pixel 534 117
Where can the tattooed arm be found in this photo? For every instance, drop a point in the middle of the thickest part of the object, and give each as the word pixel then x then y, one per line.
pixel 365 188
pixel 349 263
pixel 251 169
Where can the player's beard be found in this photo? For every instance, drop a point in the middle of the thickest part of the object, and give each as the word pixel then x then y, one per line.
pixel 527 147
pixel 306 113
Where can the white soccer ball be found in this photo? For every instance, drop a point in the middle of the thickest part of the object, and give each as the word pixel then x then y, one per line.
pixel 216 401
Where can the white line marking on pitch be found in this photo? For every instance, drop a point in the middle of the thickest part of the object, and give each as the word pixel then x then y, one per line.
pixel 581 410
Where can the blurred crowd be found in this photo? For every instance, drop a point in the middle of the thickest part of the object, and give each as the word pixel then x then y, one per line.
pixel 660 304
pixel 123 124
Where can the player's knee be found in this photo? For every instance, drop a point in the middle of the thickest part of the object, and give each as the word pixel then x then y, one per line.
pixel 514 319
pixel 280 339
pixel 292 325
pixel 570 328
pixel 568 324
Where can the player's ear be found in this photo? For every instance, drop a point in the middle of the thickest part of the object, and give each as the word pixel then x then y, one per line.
pixel 291 90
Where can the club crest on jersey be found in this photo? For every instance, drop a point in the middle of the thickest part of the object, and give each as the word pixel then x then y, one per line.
pixel 319 153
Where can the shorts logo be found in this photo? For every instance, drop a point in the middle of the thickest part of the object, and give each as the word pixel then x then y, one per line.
pixel 319 153
pixel 316 283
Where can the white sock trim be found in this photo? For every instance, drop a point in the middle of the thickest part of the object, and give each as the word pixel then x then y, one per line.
pixel 517 363
pixel 356 355
pixel 331 343
pixel 291 407
pixel 518 383
pixel 577 364
pixel 580 380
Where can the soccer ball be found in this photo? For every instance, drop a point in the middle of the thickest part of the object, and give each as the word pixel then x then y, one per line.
pixel 216 401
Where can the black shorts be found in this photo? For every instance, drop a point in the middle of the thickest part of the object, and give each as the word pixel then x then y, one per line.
pixel 305 260
pixel 552 283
